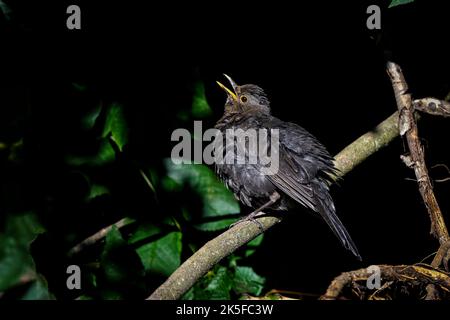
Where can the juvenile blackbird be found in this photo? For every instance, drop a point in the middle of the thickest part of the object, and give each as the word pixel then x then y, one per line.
pixel 303 175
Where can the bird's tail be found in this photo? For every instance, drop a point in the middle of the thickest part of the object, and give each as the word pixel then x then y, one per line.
pixel 325 207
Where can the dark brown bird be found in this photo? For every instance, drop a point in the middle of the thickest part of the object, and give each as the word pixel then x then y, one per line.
pixel 305 166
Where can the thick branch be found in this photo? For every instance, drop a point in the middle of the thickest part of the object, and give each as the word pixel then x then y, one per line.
pixel 416 159
pixel 226 243
pixel 367 144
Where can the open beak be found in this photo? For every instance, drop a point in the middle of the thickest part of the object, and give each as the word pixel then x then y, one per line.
pixel 228 91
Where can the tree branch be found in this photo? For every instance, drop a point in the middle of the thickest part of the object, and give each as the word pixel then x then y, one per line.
pixel 433 106
pixel 218 248
pixel 99 235
pixel 366 145
pixel 442 256
pixel 398 281
pixel 416 159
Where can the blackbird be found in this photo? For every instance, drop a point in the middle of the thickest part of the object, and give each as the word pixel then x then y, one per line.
pixel 304 165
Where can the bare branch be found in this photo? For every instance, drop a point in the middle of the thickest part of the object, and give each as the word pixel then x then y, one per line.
pixel 433 106
pixel 98 236
pixel 367 144
pixel 416 158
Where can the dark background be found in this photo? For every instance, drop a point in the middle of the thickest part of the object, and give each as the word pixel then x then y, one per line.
pixel 318 63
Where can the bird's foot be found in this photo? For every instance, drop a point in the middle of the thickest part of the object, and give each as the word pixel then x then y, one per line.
pixel 250 218
pixel 258 212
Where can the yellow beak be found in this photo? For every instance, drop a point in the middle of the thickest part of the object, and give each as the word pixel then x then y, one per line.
pixel 228 91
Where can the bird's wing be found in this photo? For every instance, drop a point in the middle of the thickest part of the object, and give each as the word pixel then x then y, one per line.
pixel 301 158
pixel 293 180
pixel 306 150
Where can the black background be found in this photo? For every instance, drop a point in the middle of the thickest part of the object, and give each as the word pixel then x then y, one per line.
pixel 317 61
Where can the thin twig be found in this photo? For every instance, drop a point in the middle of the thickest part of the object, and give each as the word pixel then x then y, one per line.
pixel 446 168
pixel 147 181
pixel 428 256
pixel 218 248
pixel 98 236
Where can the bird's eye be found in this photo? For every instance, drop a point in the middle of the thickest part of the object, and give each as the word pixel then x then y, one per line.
pixel 244 99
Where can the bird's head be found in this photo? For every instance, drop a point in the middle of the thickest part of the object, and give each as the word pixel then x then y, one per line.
pixel 241 98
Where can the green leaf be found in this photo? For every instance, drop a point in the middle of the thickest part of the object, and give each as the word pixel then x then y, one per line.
pixel 170 184
pixel 105 154
pixel 97 190
pixel 112 295
pixel 17 266
pixel 91 279
pixel 216 199
pixel 89 120
pixel 24 228
pixel 122 271
pixel 144 231
pixel 189 295
pixel 6 10
pixel 219 286
pixel 200 107
pixel 115 132
pixel 252 245
pixel 116 126
pixel 215 225
pixel 162 256
pixel 114 271
pixel 395 3
pixel 247 281
pixel 38 291
pixel 216 285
